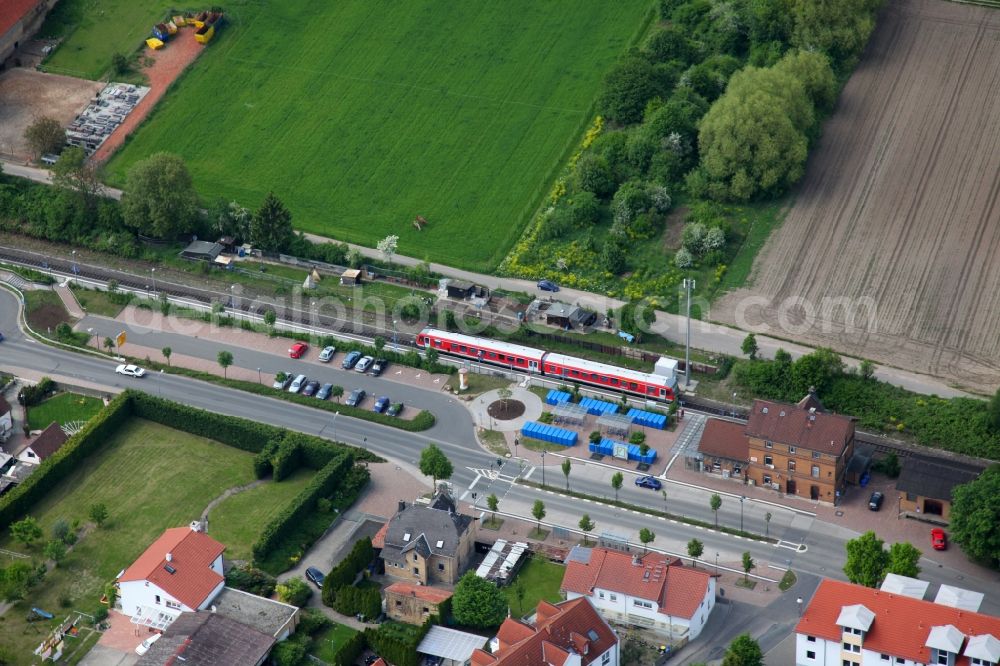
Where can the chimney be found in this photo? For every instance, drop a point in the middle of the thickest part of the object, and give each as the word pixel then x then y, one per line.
pixel 402 506
pixel 812 410
pixel 636 561
pixel 170 557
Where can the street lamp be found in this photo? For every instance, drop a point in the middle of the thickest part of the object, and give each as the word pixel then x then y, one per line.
pixel 516 442
pixel 798 600
pixel 90 332
pixel 394 324
pixel 716 564
pixel 152 272
pixel 688 285
pixel 75 269
pixel 543 468
pixel 734 404
pixel 258 377
pixel 742 497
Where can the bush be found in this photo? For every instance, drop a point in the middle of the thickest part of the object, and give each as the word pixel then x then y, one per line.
pixel 294 591
pixel 312 621
pixel 34 395
pixel 252 580
pixel 288 653
pixel 351 650
pixel 287 457
pixel 397 644
pixel 344 574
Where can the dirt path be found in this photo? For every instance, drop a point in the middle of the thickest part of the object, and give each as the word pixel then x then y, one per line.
pixel 227 494
pixel 168 63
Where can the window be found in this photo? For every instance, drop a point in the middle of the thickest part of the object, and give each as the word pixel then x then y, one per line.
pixel 911 497
pixel 769 460
pixel 791 465
pixel 811 639
pixel 815 454
pixel 900 660
pixel 791 450
pixel 852 630
pixel 426 610
pixel 848 662
pixel 942 657
pixel 642 604
pixel 399 604
pixel 851 647
pixel 600 595
pixel 440 566
pixel 885 657
pixel 768 445
pixel 157 598
pixel 810 654
pixel 173 604
pixel 767 479
pixel 414 557
pixel 416 571
pixel 606 658
pixel 614 597
pixel 815 471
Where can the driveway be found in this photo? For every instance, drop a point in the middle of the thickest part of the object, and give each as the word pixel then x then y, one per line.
pixel 116 646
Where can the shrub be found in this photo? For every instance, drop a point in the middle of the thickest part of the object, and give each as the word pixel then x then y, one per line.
pixel 350 650
pixel 294 591
pixel 287 457
pixel 344 574
pixel 252 580
pixel 312 621
pixel 33 395
pixel 288 653
pixel 397 646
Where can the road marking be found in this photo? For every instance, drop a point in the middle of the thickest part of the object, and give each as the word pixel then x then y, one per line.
pixel 473 484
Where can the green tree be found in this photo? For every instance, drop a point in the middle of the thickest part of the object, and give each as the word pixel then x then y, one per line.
pixel 289 653
pixel 839 28
pixel 594 175
pixel 109 344
pixel 55 550
pixel 975 517
pixel 519 592
pixel 435 464
pixel 26 531
pixel 60 530
pixel 159 199
pixel 493 502
pixel 225 359
pixel 271 225
pixel 866 369
pixel 566 467
pixel 45 135
pixel 74 173
pixel 767 524
pixel 587 525
pixel 379 344
pixel 504 393
pixel 866 560
pixel 337 392
pixel 270 316
pixel 994 411
pixel 749 346
pixel 119 64
pixel 167 351
pixel 904 559
pixel 627 87
pixel 478 603
pixel 613 257
pixel 715 502
pixel 748 564
pixel 99 514
pixel 646 537
pixel 294 591
pixel 538 511
pixel 743 651
pixel 695 549
pixel 15 580
pixel 616 482
pixel 813 71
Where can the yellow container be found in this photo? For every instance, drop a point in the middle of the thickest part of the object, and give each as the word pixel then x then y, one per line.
pixel 205 37
pixel 179 21
pixel 154 43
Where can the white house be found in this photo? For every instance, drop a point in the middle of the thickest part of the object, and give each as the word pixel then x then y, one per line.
pixel 180 572
pixel 570 633
pixel 48 442
pixel 663 596
pixel 851 625
pixel 6 419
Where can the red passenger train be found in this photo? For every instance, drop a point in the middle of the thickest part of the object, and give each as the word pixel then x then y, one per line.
pixel 660 385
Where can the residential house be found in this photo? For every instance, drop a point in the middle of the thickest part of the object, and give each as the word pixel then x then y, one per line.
pixel 427 543
pixel 852 625
pixel 208 638
pixel 799 449
pixel 925 485
pixel 19 19
pixel 6 419
pixel 48 442
pixel 570 633
pixel 413 604
pixel 269 616
pixel 180 572
pixel 724 449
pixel 653 591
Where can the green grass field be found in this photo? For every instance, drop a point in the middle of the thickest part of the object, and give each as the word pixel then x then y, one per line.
pixel 237 519
pixel 62 409
pixel 541 580
pixel 94 30
pixel 150 477
pixel 327 643
pixel 362 114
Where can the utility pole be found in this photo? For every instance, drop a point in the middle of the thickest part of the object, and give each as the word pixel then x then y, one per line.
pixel 688 286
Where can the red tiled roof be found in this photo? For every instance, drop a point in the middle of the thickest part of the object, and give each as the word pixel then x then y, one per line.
pixel 678 590
pixel 378 541
pixel 555 636
pixel 788 424
pixel 12 11
pixel 191 556
pixel 901 624
pixel 379 662
pixel 725 439
pixel 433 595
pixel 49 441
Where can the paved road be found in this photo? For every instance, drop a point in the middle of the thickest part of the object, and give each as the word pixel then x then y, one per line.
pixel 824 557
pixel 705 335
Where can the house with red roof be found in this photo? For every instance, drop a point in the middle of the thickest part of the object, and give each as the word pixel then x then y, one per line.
pixel 19 19
pixel 47 443
pixel 180 572
pixel 413 604
pixel 570 633
pixel 847 625
pixel 653 591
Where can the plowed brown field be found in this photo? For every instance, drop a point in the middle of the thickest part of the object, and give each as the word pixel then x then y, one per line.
pixel 892 249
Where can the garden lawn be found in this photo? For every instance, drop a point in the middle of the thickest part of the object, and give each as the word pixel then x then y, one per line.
pixel 45 310
pixel 62 409
pixel 237 519
pixel 541 580
pixel 326 644
pixel 363 114
pixel 94 30
pixel 150 477
pixel 98 302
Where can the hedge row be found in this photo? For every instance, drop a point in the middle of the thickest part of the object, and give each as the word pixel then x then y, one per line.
pixel 322 484
pixel 66 460
pixel 354 600
pixel 350 650
pixel 252 580
pixel 345 573
pixel 394 648
pixel 287 458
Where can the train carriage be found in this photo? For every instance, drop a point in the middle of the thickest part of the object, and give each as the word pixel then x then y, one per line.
pixel 570 368
pixel 515 357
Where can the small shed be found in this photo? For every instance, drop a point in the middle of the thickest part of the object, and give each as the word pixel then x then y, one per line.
pixel 228 244
pixel 925 485
pixel 563 315
pixel 352 276
pixel 201 251
pixel 452 647
pixel 460 289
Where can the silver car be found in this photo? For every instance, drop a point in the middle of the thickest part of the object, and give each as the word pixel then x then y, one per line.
pixel 326 355
pixel 364 364
pixel 297 384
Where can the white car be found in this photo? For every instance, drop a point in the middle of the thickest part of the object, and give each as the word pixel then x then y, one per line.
pixel 326 355
pixel 130 370
pixel 364 364
pixel 297 384
pixel 143 647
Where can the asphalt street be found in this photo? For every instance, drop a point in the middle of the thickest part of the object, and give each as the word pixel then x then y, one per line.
pixel 454 433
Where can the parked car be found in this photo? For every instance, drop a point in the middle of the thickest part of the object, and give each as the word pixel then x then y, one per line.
pixel 316 576
pixel 143 647
pixel 875 501
pixel 130 370
pixel 356 398
pixel 395 409
pixel 326 355
pixel 1 337
pixel 282 380
pixel 324 391
pixel 548 285
pixel 310 388
pixel 364 363
pixel 298 349
pixel 381 404
pixel 350 360
pixel 650 482
pixel 378 367
pixel 297 383
pixel 939 540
